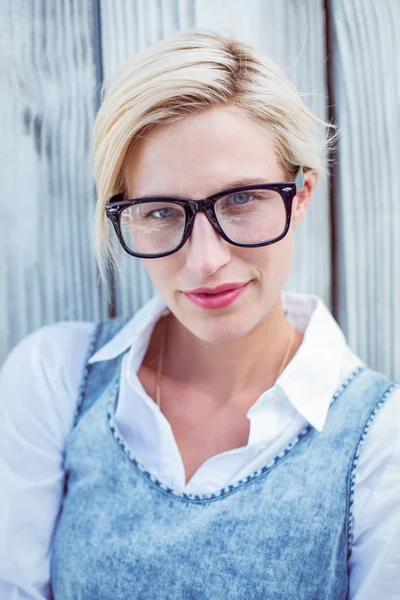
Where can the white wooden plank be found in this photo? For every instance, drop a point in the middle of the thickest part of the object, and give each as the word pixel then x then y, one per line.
pixel 368 94
pixel 47 192
pixel 281 30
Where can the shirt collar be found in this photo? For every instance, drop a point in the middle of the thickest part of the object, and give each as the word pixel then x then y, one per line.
pixel 136 331
pixel 312 376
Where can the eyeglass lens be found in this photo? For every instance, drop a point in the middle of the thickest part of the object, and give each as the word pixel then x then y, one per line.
pixel 247 217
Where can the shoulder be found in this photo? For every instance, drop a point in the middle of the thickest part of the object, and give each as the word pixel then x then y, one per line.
pixel 40 378
pixel 39 383
pixel 380 441
pixel 375 515
pixel 380 436
pixel 52 352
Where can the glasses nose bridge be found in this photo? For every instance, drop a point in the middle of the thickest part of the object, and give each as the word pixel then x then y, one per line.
pixel 206 206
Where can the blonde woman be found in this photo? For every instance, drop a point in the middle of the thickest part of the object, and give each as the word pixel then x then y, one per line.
pixel 223 442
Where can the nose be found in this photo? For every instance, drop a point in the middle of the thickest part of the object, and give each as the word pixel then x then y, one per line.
pixel 206 250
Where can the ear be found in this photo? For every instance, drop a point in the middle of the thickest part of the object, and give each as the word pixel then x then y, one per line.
pixel 302 199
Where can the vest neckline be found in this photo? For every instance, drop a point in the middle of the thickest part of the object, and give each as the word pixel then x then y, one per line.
pixel 227 490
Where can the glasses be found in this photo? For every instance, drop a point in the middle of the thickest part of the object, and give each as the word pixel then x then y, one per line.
pixel 248 216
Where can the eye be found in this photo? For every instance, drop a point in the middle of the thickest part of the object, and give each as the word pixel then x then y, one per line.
pixel 161 213
pixel 165 212
pixel 246 198
pixel 239 198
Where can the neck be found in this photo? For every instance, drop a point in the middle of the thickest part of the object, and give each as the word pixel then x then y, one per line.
pixel 249 364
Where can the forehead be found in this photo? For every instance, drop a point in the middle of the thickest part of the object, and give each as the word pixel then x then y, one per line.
pixel 200 155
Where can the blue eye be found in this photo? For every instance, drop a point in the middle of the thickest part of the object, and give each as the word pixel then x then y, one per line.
pixel 162 213
pixel 239 198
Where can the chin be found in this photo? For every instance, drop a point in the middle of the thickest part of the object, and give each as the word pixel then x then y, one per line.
pixel 223 329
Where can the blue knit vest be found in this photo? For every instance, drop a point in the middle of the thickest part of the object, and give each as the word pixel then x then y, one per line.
pixel 283 532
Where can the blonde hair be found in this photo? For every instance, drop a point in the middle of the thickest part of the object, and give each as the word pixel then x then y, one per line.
pixel 190 72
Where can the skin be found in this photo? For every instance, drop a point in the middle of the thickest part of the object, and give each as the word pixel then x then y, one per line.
pixel 218 362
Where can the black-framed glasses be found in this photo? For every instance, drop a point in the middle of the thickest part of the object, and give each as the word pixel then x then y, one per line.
pixel 248 216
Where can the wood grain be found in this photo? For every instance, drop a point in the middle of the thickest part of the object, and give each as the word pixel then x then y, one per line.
pixel 368 97
pixel 48 268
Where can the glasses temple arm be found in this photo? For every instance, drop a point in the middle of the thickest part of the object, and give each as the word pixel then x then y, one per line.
pixel 299 180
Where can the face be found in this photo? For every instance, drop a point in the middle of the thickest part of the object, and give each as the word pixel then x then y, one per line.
pixel 194 158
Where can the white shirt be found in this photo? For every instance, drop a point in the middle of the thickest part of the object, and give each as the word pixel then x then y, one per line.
pixel 38 392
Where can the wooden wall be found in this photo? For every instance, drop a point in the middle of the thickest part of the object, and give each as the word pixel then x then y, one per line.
pixel 367 97
pixel 54 56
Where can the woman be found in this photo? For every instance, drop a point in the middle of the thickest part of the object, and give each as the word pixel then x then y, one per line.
pixel 224 442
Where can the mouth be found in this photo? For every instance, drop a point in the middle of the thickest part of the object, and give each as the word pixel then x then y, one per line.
pixel 218 297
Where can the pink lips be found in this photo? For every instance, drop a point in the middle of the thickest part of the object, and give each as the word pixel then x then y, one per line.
pixel 219 297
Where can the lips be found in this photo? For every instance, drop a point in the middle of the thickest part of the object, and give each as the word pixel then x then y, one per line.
pixel 217 297
pixel 216 290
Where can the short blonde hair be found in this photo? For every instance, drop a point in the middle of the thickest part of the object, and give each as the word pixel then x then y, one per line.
pixel 190 72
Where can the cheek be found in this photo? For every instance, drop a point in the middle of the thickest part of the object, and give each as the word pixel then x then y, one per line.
pixel 273 262
pixel 281 260
pixel 162 272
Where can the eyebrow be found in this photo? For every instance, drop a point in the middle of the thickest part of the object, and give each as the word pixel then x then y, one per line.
pixel 246 181
pixel 230 184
